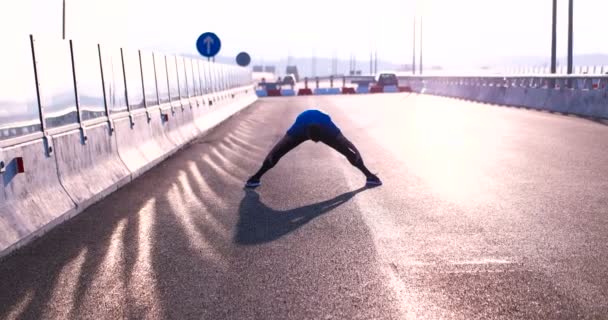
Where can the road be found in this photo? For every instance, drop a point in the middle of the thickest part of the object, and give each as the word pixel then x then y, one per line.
pixel 486 212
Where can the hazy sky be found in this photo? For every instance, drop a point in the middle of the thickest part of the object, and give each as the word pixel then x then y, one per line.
pixel 454 30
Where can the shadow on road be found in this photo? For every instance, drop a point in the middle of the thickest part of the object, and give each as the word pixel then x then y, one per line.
pixel 259 223
pixel 162 246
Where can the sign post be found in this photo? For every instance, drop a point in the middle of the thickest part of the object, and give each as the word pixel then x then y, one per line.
pixel 208 45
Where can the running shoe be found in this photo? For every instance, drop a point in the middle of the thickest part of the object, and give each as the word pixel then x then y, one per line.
pixel 253 183
pixel 373 180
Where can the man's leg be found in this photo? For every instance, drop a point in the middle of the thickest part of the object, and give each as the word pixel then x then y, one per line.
pixel 286 144
pixel 341 144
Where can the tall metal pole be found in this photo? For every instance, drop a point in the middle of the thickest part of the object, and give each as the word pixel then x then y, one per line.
pixel 314 64
pixel 371 62
pixel 414 48
pixel 554 39
pixel 420 45
pixel 570 35
pixel 376 62
pixel 63 21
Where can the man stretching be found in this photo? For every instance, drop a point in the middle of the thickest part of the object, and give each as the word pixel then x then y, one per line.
pixel 316 126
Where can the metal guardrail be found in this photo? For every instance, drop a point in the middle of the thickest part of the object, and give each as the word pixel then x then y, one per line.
pixel 54 84
pixel 580 95
pixel 548 81
pixel 556 81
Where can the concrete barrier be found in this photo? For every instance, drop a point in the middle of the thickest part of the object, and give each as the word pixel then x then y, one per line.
pixel 558 100
pixel 333 91
pixel 536 98
pixel 305 92
pixel 89 170
pixel 391 89
pixel 362 90
pixel 288 92
pixel 515 96
pixel 57 186
pixel 376 89
pixel 487 94
pixel 461 91
pixel 589 98
pixel 471 92
pixel 321 91
pixel 600 105
pixel 210 120
pixel 261 93
pixel 580 102
pixel 501 95
pixel 187 127
pixel 476 92
pixel 597 104
pixel 348 90
pixel 159 130
pixel 450 91
pixel 33 201
pixel 274 92
pixel 180 122
pixel 137 147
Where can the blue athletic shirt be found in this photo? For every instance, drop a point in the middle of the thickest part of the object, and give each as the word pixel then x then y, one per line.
pixel 312 116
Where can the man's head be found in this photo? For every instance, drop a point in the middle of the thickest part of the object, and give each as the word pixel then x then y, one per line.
pixel 313 132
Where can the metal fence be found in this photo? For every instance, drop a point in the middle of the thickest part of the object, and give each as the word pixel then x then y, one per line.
pixel 546 81
pixel 52 83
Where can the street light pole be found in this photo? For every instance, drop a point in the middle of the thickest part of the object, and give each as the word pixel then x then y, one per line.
pixel 570 36
pixel 554 39
pixel 414 47
pixel 376 61
pixel 63 20
pixel 420 46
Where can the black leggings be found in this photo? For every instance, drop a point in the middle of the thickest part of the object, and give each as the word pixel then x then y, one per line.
pixel 288 143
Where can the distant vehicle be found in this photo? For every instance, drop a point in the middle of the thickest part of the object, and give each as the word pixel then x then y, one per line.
pixel 387 79
pixel 289 79
pixel 294 71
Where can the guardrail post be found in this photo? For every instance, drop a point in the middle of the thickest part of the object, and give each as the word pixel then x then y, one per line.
pixel 143 86
pixel 317 82
pixel 306 82
pixel 83 134
pixel 200 79
pixel 169 85
pixel 188 94
pixel 179 89
pixel 331 81
pixel 343 81
pixel 103 88
pixel 124 77
pixel 47 140
pixel 155 78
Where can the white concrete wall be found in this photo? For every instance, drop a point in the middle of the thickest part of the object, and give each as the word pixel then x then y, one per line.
pixel 58 185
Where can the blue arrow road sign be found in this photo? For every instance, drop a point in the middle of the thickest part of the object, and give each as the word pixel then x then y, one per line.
pixel 208 44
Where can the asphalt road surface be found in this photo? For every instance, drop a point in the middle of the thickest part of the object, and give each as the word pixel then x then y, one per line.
pixel 486 212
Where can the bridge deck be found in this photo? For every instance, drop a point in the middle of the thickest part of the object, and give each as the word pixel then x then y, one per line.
pixel 486 212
